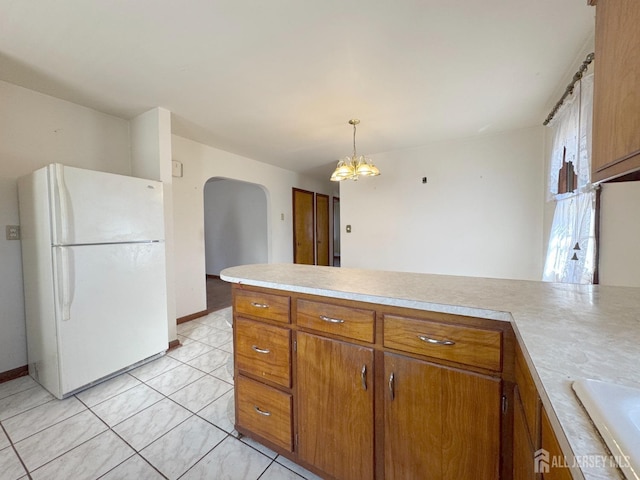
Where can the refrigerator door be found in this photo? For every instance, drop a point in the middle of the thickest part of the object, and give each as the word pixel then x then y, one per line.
pixel 111 309
pixel 95 207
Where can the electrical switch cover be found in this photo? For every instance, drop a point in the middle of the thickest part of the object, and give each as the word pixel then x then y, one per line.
pixel 13 232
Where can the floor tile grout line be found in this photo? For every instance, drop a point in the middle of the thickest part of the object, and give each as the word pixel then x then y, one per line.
pixel 28 409
pixel 48 426
pixel 13 447
pixel 21 391
pixel 66 452
pixel 163 396
pixel 208 452
pixel 130 416
pixel 165 371
pixel 135 450
pixel 112 396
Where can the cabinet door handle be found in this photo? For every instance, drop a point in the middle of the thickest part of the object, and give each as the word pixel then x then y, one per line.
pixel 259 305
pixel 392 379
pixel 261 412
pixel 331 320
pixel 435 341
pixel 260 350
pixel 363 377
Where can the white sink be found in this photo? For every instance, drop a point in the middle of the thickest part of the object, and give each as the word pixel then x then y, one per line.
pixel 615 411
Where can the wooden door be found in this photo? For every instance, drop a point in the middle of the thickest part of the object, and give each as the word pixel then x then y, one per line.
pixel 335 406
pixel 322 229
pixel 412 419
pixel 303 227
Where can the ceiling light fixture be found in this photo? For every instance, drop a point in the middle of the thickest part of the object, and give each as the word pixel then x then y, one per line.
pixel 350 168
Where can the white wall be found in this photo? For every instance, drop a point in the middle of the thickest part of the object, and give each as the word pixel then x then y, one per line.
pixel 200 163
pixel 619 234
pixel 36 130
pixel 13 346
pixel 235 222
pixel 151 158
pixel 479 214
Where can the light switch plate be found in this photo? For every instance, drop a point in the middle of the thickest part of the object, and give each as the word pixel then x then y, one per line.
pixel 176 168
pixel 13 232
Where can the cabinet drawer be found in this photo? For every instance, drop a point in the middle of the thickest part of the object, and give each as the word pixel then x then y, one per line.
pixel 467 345
pixel 263 350
pixel 264 305
pixel 265 411
pixel 349 322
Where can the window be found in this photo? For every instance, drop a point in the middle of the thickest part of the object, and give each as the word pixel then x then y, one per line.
pixel 571 251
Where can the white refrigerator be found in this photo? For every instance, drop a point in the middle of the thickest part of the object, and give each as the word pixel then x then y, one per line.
pixel 93 257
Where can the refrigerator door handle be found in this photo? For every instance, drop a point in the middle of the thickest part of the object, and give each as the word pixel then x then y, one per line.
pixel 63 219
pixel 65 281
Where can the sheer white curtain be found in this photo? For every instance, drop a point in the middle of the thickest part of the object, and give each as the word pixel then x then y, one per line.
pixel 571 252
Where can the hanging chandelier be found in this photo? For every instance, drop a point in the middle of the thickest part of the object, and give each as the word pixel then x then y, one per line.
pixel 350 168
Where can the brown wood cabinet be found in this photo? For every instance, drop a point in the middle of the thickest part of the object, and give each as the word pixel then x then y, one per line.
pixel 616 109
pixel 549 442
pixel 526 421
pixel 536 450
pixel 335 406
pixel 262 366
pixel 373 391
pixel 440 423
pixel 413 414
pixel 523 448
pixel 265 411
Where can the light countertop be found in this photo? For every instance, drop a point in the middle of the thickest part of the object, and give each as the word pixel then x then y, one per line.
pixel 567 331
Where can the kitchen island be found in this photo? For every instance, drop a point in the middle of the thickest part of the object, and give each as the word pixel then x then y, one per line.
pixel 565 332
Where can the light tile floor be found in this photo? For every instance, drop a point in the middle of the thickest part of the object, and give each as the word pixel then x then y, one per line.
pixel 171 418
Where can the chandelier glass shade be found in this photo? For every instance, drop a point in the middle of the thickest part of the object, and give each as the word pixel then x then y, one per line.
pixel 350 168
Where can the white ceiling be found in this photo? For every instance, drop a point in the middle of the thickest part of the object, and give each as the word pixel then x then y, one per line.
pixel 278 80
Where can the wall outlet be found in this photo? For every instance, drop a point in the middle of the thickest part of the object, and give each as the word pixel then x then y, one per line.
pixel 13 232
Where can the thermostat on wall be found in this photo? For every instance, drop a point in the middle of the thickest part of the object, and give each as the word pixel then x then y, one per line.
pixel 176 168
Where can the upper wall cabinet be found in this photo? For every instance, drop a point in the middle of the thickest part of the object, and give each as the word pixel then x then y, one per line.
pixel 616 110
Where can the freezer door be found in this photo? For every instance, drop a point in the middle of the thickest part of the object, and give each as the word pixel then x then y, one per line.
pixel 96 207
pixel 111 309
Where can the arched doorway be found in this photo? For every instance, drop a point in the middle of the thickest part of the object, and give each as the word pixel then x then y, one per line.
pixel 235 232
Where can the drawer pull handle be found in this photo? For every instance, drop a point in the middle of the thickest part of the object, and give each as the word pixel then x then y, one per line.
pixel 331 320
pixel 261 412
pixel 363 377
pixel 392 380
pixel 260 305
pixel 434 341
pixel 260 350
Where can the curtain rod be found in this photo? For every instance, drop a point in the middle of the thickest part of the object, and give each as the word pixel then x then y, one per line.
pixel 569 90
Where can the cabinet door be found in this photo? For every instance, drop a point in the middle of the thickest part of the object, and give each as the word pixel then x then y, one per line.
pixel 440 423
pixel 616 96
pixel 523 451
pixel 556 469
pixel 335 406
pixel 412 419
pixel 471 406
